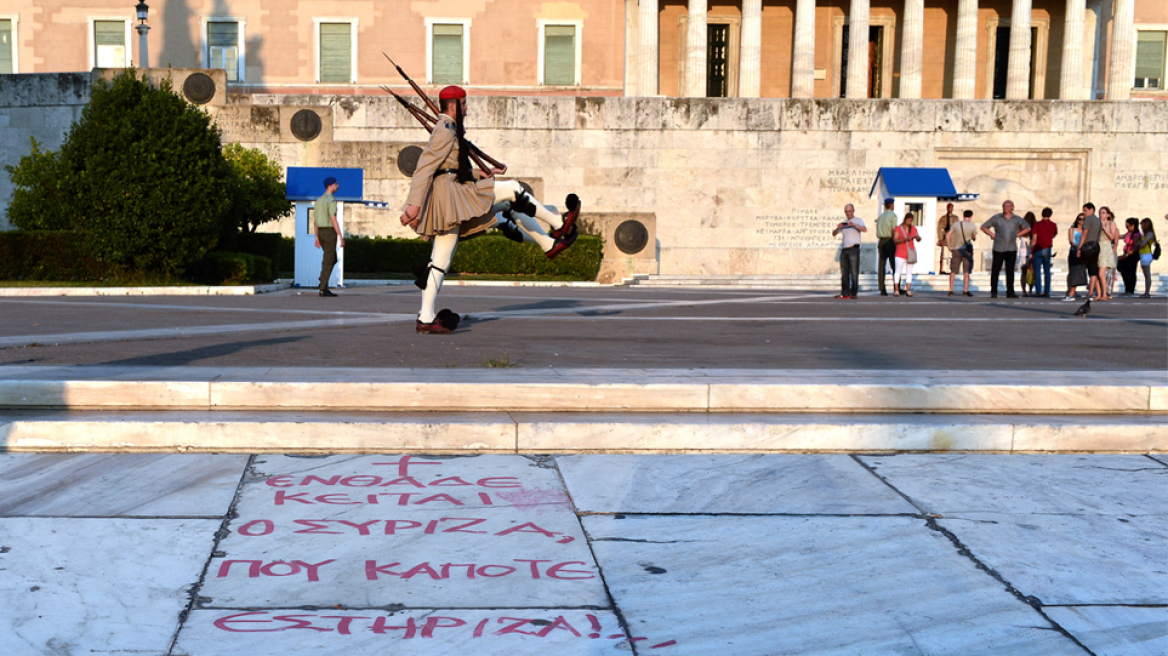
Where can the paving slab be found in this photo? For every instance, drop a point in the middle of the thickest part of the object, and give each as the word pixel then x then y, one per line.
pixel 126 485
pixel 1115 630
pixel 97 586
pixel 1072 559
pixel 1027 484
pixel 810 585
pixel 728 484
pixel 373 531
pixel 430 632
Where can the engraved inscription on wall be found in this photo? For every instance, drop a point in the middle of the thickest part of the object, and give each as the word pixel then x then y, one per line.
pixel 1141 181
pixel 801 228
pixel 854 181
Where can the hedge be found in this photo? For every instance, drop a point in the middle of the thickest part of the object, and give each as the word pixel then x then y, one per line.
pixel 489 254
pixel 58 255
pixel 227 268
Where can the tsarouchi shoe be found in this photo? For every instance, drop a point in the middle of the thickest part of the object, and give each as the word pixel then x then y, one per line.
pixel 562 245
pixel 570 217
pixel 433 328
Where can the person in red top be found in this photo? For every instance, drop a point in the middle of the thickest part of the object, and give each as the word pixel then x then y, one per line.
pixel 904 235
pixel 1041 242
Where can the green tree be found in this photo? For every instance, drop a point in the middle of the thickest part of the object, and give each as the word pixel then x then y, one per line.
pixel 141 174
pixel 41 191
pixel 258 194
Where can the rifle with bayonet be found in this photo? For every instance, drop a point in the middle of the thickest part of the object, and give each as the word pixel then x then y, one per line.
pixel 428 121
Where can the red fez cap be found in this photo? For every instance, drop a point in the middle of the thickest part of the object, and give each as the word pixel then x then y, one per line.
pixel 451 92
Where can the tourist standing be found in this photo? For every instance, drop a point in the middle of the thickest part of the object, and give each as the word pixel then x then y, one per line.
pixel 1076 272
pixel 904 235
pixel 961 236
pixel 1026 257
pixel 1108 236
pixel 944 224
pixel 1004 229
pixel 1129 259
pixel 1148 245
pixel 1041 244
pixel 850 228
pixel 885 247
pixel 1089 251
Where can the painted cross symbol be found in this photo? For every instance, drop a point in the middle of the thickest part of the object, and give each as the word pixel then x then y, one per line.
pixel 403 465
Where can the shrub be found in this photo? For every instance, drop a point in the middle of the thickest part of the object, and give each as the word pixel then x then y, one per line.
pixel 47 255
pixel 257 188
pixel 228 268
pixel 141 174
pixel 489 254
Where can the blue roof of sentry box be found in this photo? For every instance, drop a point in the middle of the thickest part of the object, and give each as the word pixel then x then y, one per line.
pixel 916 182
pixel 307 183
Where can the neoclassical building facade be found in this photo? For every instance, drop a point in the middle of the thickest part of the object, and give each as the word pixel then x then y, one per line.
pixel 963 49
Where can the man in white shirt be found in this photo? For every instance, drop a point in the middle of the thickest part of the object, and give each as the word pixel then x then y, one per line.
pixel 850 229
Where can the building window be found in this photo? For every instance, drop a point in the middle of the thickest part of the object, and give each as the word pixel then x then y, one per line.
pixel 722 34
pixel 109 43
pixel 559 55
pixel 1151 58
pixel 7 45
pixel 337 51
pixel 223 39
pixel 448 57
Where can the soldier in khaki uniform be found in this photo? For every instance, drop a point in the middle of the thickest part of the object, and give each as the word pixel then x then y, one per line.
pixel 328 232
pixel 448 200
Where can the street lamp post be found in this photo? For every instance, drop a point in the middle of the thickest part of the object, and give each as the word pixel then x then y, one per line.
pixel 143 28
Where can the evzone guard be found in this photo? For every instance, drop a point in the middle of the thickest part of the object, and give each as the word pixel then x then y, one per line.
pixel 449 200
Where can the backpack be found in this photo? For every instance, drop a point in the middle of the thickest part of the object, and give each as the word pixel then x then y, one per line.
pixel 1156 251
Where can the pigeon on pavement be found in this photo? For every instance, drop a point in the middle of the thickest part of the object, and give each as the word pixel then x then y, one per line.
pixel 1084 309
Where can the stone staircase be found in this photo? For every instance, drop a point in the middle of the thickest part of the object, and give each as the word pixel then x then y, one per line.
pixel 829 282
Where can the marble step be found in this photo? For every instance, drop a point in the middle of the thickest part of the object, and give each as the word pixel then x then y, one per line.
pixel 512 432
pixel 979 281
pixel 339 389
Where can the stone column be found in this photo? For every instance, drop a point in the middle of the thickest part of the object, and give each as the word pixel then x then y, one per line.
pixel 912 50
pixel 695 51
pixel 803 63
pixel 1018 72
pixel 647 84
pixel 858 49
pixel 750 55
pixel 965 63
pixel 1071 78
pixel 1121 75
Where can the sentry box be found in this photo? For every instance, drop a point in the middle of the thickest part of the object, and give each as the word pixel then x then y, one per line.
pixel 917 190
pixel 303 186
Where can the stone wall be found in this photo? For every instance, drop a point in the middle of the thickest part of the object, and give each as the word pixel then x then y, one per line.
pixel 755 186
pixel 735 186
pixel 38 106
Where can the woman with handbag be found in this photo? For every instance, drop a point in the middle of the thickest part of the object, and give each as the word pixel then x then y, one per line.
pixel 906 254
pixel 1148 248
pixel 1129 260
pixel 1108 237
pixel 1076 270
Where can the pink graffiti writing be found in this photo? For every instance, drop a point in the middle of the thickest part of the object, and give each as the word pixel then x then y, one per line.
pixel 471 571
pixel 442 525
pixel 425 628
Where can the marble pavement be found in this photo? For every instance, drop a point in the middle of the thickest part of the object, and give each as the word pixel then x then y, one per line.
pixel 191 555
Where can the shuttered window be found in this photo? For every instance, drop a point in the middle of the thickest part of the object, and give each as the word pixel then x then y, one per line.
pixel 447 52
pixel 559 55
pixel 336 53
pixel 1150 59
pixel 109 38
pixel 6 46
pixel 223 47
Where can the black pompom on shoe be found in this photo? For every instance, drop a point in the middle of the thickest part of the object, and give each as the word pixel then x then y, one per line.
pixel 449 319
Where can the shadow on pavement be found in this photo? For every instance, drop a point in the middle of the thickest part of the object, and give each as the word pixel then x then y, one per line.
pixel 201 353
